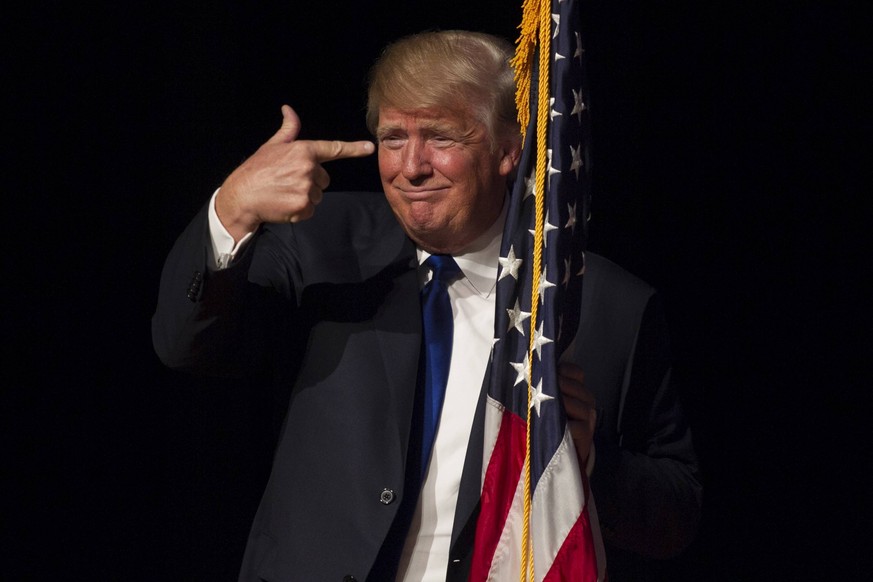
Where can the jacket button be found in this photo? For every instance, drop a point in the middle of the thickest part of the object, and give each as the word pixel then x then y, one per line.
pixel 194 287
pixel 386 497
pixel 349 578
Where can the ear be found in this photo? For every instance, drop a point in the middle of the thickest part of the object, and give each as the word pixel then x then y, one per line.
pixel 510 155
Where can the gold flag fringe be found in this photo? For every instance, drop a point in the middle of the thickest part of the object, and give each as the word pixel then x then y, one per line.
pixel 535 30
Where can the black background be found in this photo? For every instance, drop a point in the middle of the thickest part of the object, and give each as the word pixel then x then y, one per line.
pixel 731 152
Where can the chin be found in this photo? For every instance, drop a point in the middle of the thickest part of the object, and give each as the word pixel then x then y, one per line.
pixel 432 241
pixel 441 243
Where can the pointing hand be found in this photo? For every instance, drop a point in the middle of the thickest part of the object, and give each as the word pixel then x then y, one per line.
pixel 283 180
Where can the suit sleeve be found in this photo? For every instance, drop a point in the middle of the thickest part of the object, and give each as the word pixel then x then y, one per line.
pixel 645 479
pixel 225 322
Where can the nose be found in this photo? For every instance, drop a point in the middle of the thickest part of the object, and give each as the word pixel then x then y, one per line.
pixel 416 161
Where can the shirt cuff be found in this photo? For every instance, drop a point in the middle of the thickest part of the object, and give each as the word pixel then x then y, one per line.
pixel 224 248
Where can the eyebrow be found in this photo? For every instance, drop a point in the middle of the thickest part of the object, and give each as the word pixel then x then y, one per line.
pixel 435 126
pixel 384 130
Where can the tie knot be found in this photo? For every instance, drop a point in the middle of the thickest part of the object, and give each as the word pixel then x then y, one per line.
pixel 444 267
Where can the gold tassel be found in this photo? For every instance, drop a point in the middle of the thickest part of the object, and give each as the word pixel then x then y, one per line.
pixel 535 29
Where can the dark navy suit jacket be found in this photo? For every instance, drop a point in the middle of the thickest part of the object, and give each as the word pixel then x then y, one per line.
pixel 327 311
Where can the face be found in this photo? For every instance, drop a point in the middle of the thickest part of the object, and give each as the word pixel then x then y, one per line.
pixel 443 180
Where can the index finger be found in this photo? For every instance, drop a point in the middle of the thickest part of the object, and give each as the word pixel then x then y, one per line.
pixel 326 151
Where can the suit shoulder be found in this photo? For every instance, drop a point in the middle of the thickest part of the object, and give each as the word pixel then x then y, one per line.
pixel 607 281
pixel 351 236
pixel 351 213
pixel 614 303
pixel 354 206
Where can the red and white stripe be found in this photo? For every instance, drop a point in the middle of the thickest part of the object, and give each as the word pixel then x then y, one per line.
pixel 564 531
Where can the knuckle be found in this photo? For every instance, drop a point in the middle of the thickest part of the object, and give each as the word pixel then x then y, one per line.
pixel 307 165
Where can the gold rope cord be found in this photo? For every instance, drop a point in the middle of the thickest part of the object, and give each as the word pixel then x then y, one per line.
pixel 535 29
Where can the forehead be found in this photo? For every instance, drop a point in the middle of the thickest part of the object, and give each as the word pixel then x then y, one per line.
pixel 435 118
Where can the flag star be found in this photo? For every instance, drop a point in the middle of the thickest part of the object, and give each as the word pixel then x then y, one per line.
pixel 530 185
pixel 577 159
pixel 582 271
pixel 540 340
pixel 547 228
pixel 556 18
pixel 559 56
pixel 552 112
pixel 571 221
pixel 544 284
pixel 509 265
pixel 552 170
pixel 579 49
pixel 578 105
pixel 522 369
pixel 538 397
pixel 517 317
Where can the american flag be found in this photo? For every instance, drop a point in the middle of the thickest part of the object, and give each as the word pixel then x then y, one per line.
pixel 561 522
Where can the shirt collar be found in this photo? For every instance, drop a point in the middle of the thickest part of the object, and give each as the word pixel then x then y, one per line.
pixel 479 261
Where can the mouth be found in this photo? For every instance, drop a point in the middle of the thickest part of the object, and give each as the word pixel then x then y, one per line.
pixel 420 193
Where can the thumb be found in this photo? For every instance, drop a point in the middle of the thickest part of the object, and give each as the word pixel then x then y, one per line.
pixel 290 127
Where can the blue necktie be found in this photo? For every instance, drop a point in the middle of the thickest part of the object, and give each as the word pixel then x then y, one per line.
pixel 437 328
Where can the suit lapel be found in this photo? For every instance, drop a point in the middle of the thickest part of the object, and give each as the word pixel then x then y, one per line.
pixel 398 329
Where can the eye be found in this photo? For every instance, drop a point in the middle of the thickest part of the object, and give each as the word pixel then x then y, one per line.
pixel 392 141
pixel 442 140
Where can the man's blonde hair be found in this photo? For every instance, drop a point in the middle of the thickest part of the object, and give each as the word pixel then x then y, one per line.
pixel 455 69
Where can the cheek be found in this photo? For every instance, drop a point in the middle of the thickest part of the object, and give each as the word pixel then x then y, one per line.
pixel 456 168
pixel 387 164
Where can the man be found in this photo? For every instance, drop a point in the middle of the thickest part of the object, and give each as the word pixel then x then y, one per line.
pixel 319 293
